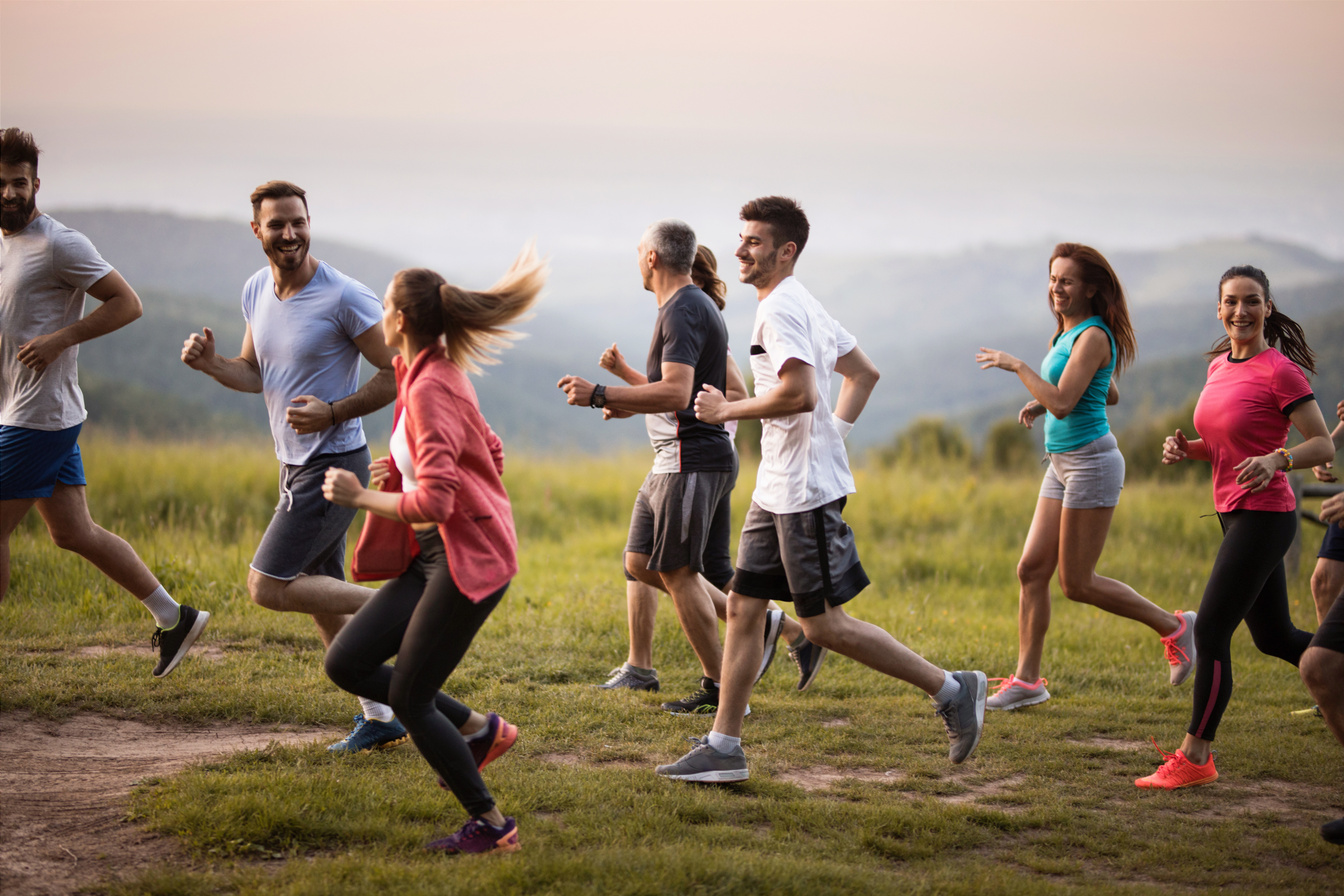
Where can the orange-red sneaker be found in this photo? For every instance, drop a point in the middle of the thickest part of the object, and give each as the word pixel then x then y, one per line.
pixel 1178 771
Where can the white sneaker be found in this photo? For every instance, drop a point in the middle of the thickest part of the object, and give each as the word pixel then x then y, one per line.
pixel 1014 693
pixel 1179 646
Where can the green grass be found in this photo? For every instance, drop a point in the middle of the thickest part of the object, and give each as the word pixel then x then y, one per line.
pixel 1046 805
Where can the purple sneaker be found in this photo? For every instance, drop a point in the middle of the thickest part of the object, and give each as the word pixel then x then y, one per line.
pixel 478 836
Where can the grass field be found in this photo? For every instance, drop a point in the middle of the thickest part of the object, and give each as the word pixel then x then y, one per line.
pixel 851 791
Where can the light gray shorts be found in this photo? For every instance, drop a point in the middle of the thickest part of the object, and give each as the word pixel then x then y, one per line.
pixel 1086 477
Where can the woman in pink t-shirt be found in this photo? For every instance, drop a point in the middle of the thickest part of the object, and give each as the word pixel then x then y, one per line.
pixel 1253 393
pixel 454 503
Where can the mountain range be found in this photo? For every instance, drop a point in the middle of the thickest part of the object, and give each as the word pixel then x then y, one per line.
pixel 919 317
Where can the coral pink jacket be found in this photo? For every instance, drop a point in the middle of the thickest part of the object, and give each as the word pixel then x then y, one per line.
pixel 458 461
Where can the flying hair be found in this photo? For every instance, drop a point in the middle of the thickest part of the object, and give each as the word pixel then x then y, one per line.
pixel 473 325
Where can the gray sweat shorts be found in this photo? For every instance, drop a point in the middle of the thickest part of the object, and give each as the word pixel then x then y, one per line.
pixel 1086 477
pixel 673 517
pixel 306 535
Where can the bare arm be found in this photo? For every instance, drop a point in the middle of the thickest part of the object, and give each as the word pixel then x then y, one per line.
pixel 860 376
pixel 311 414
pixel 671 393
pixel 1090 352
pixel 242 374
pixel 119 306
pixel 1255 473
pixel 795 394
pixel 614 361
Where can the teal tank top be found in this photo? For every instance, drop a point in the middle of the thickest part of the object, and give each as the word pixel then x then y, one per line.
pixel 1087 421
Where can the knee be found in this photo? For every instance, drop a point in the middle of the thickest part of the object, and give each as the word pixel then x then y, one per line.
pixel 338 667
pixel 1031 571
pixel 265 591
pixel 1321 670
pixel 1076 588
pixel 1326 585
pixel 71 537
pixel 820 630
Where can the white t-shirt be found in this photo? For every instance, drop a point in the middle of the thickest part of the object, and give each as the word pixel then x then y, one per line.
pixel 803 460
pixel 44 270
pixel 305 345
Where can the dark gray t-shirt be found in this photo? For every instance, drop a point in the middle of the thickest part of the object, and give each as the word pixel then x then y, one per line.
pixel 44 270
pixel 689 330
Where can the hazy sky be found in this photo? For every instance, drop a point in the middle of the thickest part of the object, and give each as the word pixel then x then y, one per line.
pixel 450 132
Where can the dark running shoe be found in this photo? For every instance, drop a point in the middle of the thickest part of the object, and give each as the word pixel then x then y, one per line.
pixel 625 677
pixel 807 657
pixel 774 624
pixel 1333 831
pixel 478 836
pixel 499 736
pixel 704 701
pixel 369 735
pixel 173 643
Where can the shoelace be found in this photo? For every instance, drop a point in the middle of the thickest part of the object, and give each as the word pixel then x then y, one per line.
pixel 1175 761
pixel 1012 680
pixel 1175 655
pixel 155 638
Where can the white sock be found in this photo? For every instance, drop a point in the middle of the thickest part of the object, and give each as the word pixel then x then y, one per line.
pixel 375 711
pixel 951 688
pixel 723 743
pixel 163 608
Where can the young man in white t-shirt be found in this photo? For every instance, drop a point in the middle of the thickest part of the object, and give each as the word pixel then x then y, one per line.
pixel 46 270
pixel 795 546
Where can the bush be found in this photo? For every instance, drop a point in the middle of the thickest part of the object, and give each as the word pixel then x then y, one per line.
pixel 1010 446
pixel 926 439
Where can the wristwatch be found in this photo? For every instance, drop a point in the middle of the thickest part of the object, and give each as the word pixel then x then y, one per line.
pixel 599 399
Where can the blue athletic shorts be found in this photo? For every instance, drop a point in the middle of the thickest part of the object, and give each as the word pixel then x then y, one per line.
pixel 32 461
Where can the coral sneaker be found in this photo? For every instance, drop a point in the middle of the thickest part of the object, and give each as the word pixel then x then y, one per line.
pixel 1179 646
pixel 1014 693
pixel 1178 771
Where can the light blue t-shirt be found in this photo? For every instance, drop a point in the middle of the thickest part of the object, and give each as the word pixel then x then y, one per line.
pixel 1087 421
pixel 305 345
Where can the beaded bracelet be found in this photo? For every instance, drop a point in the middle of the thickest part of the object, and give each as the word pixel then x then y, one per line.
pixel 1286 456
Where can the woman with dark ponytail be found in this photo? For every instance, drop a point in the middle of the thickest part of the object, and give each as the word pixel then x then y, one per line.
pixel 1093 341
pixel 1253 393
pixel 449 464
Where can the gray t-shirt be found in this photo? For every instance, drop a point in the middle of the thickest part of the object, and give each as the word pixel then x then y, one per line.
pixel 305 345
pixel 44 270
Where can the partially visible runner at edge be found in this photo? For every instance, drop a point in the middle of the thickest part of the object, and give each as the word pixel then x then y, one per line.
pixel 453 502
pixel 795 546
pixel 46 269
pixel 1093 341
pixel 1253 393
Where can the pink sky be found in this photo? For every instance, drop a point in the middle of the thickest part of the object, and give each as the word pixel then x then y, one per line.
pixel 915 126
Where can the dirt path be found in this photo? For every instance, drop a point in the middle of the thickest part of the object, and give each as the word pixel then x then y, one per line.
pixel 63 790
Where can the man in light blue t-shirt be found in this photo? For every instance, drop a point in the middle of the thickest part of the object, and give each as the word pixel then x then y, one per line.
pixel 307 327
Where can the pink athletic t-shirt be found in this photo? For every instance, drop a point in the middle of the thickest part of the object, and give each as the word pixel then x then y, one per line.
pixel 1243 412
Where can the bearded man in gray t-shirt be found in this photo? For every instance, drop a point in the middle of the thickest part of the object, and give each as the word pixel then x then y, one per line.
pixel 46 269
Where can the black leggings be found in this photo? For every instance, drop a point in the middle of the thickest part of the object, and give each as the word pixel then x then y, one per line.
pixel 428 624
pixel 1248 583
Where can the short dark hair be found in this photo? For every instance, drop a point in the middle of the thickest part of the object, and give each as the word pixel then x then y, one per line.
pixel 785 217
pixel 276 189
pixel 17 147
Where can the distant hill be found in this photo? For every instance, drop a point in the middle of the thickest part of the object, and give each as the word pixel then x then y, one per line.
pixel 920 317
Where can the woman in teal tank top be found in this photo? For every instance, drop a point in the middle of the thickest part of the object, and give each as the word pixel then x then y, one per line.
pixel 1093 339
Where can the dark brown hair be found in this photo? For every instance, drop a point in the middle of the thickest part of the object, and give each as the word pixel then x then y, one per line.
pixel 1108 302
pixel 786 219
pixel 276 189
pixel 1281 331
pixel 472 324
pixel 705 274
pixel 17 147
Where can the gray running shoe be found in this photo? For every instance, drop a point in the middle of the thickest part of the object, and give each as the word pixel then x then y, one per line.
pixel 623 676
pixel 706 764
pixel 964 715
pixel 1179 646
pixel 807 657
pixel 774 624
pixel 1014 693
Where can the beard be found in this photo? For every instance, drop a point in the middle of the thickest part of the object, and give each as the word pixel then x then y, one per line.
pixel 287 262
pixel 762 270
pixel 15 217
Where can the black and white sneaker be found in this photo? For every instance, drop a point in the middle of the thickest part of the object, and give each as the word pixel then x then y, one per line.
pixel 808 658
pixel 703 701
pixel 173 643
